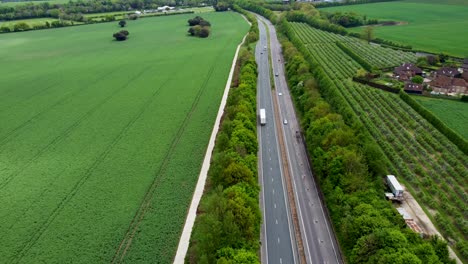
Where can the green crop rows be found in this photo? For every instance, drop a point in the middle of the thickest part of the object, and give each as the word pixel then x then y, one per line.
pixel 376 56
pixel 435 169
pixel 101 142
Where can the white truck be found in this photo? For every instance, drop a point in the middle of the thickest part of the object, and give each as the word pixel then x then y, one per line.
pixel 262 116
pixel 394 185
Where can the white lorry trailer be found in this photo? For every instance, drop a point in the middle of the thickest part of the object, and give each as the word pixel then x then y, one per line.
pixel 262 116
pixel 396 188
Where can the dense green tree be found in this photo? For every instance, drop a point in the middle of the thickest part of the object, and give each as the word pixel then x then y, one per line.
pixel 417 79
pixel 21 26
pixel 368 33
pixel 4 29
pixel 121 35
pixel 236 173
pixel 122 23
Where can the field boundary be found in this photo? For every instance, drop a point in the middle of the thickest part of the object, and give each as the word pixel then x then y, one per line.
pixel 192 213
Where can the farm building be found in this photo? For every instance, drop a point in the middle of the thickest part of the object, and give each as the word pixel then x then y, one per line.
pixel 165 8
pixel 414 88
pixel 406 71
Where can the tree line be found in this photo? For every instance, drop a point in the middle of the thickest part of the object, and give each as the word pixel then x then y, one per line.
pixel 227 228
pixel 350 165
pixel 74 10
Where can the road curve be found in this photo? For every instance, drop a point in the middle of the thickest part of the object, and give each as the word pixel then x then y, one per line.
pixel 319 241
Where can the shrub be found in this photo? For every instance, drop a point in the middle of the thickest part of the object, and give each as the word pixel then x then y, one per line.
pixel 5 29
pixel 121 35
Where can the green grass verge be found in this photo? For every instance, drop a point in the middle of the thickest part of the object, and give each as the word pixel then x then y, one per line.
pixel 89 124
pixel 31 22
pixel 422 21
pixel 453 113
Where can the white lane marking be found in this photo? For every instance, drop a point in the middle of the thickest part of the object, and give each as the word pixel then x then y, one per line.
pixel 281 261
pixel 275 205
pixel 272 179
pixel 276 220
pixel 271 168
pixel 278 240
pixel 273 191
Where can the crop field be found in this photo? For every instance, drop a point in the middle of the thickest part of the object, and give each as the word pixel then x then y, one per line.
pixel 453 113
pixel 101 142
pixel 434 168
pixel 422 20
pixel 376 56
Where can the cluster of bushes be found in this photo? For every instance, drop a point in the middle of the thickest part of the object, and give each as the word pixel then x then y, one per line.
pixel 199 27
pixel 256 8
pixel 388 43
pixel 453 136
pixel 252 36
pixel 315 21
pixel 350 166
pixel 227 228
pixel 221 6
pixel 349 19
pixel 23 26
pixel 121 35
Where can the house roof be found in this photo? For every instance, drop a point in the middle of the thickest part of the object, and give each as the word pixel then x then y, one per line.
pixel 445 82
pixel 458 82
pixel 465 75
pixel 441 81
pixel 450 72
pixel 409 86
pixel 408 67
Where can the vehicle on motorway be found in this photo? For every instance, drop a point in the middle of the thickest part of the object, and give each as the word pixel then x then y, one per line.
pixel 285 122
pixel 280 94
pixel 276 74
pixel 264 47
pixel 262 116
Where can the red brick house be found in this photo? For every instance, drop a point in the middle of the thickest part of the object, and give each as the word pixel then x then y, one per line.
pixel 446 85
pixel 406 71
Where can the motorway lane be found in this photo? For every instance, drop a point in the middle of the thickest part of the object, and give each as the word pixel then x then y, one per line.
pixel 319 241
pixel 278 243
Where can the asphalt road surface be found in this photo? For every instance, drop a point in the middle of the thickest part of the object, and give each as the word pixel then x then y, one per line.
pixel 319 241
pixel 278 244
